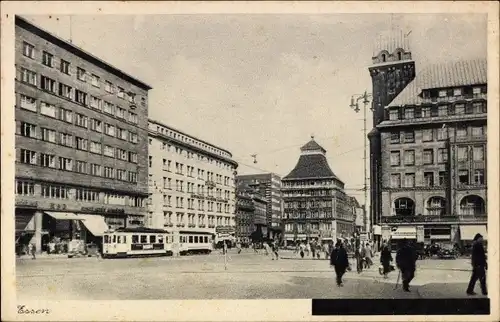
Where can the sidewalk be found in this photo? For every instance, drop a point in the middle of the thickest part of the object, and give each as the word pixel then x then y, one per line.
pixel 50 256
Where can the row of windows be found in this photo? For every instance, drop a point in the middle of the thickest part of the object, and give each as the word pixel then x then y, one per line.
pixel 408 113
pixel 464 153
pixel 186 139
pixel 79 143
pixel 465 177
pixel 179 169
pixel 191 155
pixel 212 220
pixel 67 164
pixel 429 135
pixel 78 119
pixel 81 74
pixel 179 186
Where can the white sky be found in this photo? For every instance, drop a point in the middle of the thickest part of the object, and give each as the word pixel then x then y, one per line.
pixel 262 84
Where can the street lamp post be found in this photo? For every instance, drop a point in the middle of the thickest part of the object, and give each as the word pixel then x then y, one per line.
pixel 355 106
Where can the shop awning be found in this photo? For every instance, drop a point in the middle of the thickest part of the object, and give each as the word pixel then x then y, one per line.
pixel 467 232
pixel 94 223
pixel 404 232
pixel 62 215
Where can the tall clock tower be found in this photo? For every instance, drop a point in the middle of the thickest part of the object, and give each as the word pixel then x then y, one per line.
pixel 391 71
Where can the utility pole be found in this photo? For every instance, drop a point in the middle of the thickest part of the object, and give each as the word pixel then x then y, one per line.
pixel 355 106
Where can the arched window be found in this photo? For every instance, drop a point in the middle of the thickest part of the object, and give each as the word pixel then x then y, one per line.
pixel 404 207
pixel 472 205
pixel 436 206
pixel 384 58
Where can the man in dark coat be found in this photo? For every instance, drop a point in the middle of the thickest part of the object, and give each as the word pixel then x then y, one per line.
pixel 340 261
pixel 385 259
pixel 406 259
pixel 479 266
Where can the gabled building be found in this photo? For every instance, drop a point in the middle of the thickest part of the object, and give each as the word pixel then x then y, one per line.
pixel 315 204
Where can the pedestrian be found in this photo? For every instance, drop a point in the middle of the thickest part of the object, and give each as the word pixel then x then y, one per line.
pixel 313 250
pixel 359 258
pixel 275 249
pixel 238 247
pixel 406 259
pixel 479 266
pixel 308 249
pixel 368 255
pixel 32 250
pixel 385 260
pixel 302 249
pixel 339 260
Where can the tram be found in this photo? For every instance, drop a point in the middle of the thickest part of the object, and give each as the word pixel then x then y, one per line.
pixel 195 242
pixel 129 242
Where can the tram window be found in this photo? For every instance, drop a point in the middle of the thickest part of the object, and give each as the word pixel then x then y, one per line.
pixel 144 239
pixel 205 239
pixel 114 239
pixel 190 239
pixel 152 239
pixel 196 239
pixel 135 239
pixel 119 239
pixel 183 239
pixel 106 239
pixel 160 239
pixel 124 239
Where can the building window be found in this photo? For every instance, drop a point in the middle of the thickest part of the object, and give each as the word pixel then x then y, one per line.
pixel 443 110
pixel 395 158
pixel 47 59
pixel 109 108
pixel 109 172
pixel 131 97
pixel 55 192
pixel 150 161
pixel 95 81
pixel 457 92
pixel 442 134
pixel 442 155
pixel 462 152
pixel 132 157
pixel 120 112
pixel 410 180
pixel 436 206
pixel 28 76
pixel 462 132
pixel 65 91
pixel 80 74
pixel 48 84
pixel 429 179
pixel 121 92
pixel 81 120
pixel 395 180
pixel 459 109
pixel 427 135
pixel 47 160
pixel 428 156
pixel 95 169
pixel 66 139
pixel 409 113
pixel 394 115
pixel 95 147
pixel 477 131
pixel 25 188
pixel 442 93
pixel 409 157
pixel 95 103
pixel 81 167
pixel 48 135
pixel 64 67
pixel 472 205
pixel 80 97
pixel 96 125
pixel 122 154
pixel 409 136
pixel 65 115
pixel 463 177
pixel 121 175
pixel 109 129
pixel 442 178
pixel 65 164
pixel 81 144
pixel 477 107
pixel 28 103
pixel 132 176
pixel 133 137
pixel 479 177
pixel 108 87
pixel 109 151
pixel 426 112
pixel 48 109
pixel 87 195
pixel 28 50
pixel 132 117
pixel 28 130
pixel 404 207
pixel 478 153
pixel 476 90
pixel 121 133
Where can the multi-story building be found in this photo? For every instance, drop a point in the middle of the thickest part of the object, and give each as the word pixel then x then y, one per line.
pixel 359 213
pixel 81 141
pixel 315 203
pixel 251 214
pixel 269 186
pixel 191 183
pixel 433 160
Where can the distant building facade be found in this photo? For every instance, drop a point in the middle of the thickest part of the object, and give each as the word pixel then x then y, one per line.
pixel 81 143
pixel 433 156
pixel 267 185
pixel 315 204
pixel 251 215
pixel 191 183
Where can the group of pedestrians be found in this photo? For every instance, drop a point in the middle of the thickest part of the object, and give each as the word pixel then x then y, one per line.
pixel 315 249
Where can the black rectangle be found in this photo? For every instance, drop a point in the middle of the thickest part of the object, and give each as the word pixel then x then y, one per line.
pixel 401 307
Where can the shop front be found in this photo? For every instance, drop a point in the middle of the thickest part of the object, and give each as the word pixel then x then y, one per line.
pixel 400 233
pixel 467 234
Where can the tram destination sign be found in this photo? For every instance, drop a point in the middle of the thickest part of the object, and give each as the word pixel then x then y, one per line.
pixel 104 210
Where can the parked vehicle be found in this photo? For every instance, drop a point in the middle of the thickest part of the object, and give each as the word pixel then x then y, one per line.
pixel 447 252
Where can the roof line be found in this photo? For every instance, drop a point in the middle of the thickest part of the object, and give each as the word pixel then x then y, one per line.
pixel 29 26
pixel 191 136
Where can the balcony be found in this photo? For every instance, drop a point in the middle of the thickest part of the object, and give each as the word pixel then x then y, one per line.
pixel 181 225
pixel 433 219
pixel 202 225
pixel 169 225
pixel 211 225
pixel 191 225
pixel 210 183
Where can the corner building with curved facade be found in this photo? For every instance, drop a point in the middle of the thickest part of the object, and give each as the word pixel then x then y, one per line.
pixel 432 165
pixel 315 204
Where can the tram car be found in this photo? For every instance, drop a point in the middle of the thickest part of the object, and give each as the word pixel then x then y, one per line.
pixel 195 242
pixel 131 242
